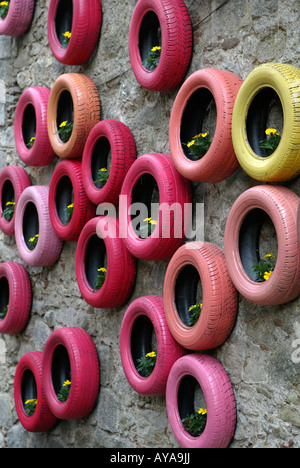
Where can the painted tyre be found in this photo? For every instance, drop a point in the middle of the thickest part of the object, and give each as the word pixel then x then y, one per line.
pixel 261 214
pixel 176 39
pixel 143 322
pixel 82 21
pixel 15 298
pixel 30 127
pixel 205 92
pixel 70 355
pixel 13 181
pixel 154 188
pixel 100 248
pixel 187 375
pixel 74 100
pixel 298 223
pixel 269 89
pixel 28 385
pixel 18 18
pixel 195 265
pixel 109 141
pixel 67 189
pixel 37 242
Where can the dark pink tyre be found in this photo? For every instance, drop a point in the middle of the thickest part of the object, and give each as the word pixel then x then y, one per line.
pixel 37 242
pixel 200 381
pixel 69 207
pixel 154 189
pixel 70 356
pixel 28 385
pixel 13 181
pixel 80 18
pixel 144 330
pixel 110 148
pixel 101 250
pixel 18 18
pixel 30 127
pixel 15 298
pixel 165 24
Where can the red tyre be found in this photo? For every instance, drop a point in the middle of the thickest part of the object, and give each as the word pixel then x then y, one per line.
pixel 263 222
pixel 196 266
pixel 70 355
pixel 216 395
pixel 108 137
pixel 83 20
pixel 37 242
pixel 18 18
pixel 67 189
pixel 173 20
pixel 100 248
pixel 155 189
pixel 15 298
pixel 13 181
pixel 144 324
pixel 203 93
pixel 28 385
pixel 30 126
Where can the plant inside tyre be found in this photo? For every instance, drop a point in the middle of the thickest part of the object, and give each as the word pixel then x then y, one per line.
pixel 30 406
pixel 4 7
pixel 195 311
pixel 264 269
pixel 100 278
pixel 4 312
pixel 145 230
pixel 103 175
pixel 270 143
pixel 8 212
pixel 195 423
pixel 151 62
pixel 69 212
pixel 33 241
pixel 146 364
pixel 65 131
pixel 64 392
pixel 66 39
pixel 199 145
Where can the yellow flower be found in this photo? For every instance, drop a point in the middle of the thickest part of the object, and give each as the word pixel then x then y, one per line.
pixel 154 49
pixel 202 411
pixel 33 238
pixel 67 34
pixel 63 124
pixel 153 221
pixel 271 131
pixel 103 169
pixel 71 206
pixel 4 4
pixel 67 383
pixel 203 135
pixel 194 307
pixel 32 140
pixel 270 255
pixel 267 275
pixel 10 203
pixel 152 354
pixel 31 401
pixel 102 270
pixel 191 143
pixel 147 219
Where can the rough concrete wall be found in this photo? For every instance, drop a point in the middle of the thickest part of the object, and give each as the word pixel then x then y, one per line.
pixel 235 35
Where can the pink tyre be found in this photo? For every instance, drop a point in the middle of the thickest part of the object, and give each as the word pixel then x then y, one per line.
pixel 216 395
pixel 66 189
pixel 13 181
pixel 30 126
pixel 173 20
pixel 28 385
pixel 37 242
pixel 83 20
pixel 107 137
pixel 15 298
pixel 143 321
pixel 18 19
pixel 153 182
pixel 100 247
pixel 70 355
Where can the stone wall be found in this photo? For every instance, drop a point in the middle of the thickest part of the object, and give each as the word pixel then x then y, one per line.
pixel 235 35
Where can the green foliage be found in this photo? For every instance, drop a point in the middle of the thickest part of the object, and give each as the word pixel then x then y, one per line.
pixel 147 364
pixel 195 423
pixel 103 175
pixel 199 145
pixel 8 212
pixel 151 62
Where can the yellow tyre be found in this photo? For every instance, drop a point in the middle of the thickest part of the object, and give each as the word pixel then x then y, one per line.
pixel 268 89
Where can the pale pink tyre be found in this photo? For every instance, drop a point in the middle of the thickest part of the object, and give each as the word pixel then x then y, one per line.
pixel 15 297
pixel 166 23
pixel 153 182
pixel 99 246
pixel 187 375
pixel 18 19
pixel 30 127
pixel 28 385
pixel 13 181
pixel 109 140
pixel 195 265
pixel 260 206
pixel 67 188
pixel 143 322
pixel 298 223
pixel 33 219
pixel 70 355
pixel 204 91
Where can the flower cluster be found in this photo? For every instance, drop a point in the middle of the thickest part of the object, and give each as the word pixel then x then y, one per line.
pixel 195 423
pixel 147 364
pixel 264 269
pixel 146 229
pixel 65 131
pixel 8 212
pixel 31 142
pixel 199 145
pixel 69 212
pixel 66 38
pixel 100 278
pixel 33 241
pixel 64 392
pixel 151 62
pixel 195 313
pixel 4 7
pixel 271 142
pixel 30 406
pixel 103 175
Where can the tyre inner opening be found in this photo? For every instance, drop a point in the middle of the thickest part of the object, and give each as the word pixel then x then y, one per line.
pixel 28 386
pixel 61 368
pixel 4 294
pixel 64 197
pixel 29 124
pixel 144 204
pixel 143 339
pixel 95 258
pixel 188 292
pixel 149 34
pixel 199 116
pixel 64 18
pixel 65 109
pixel 101 159
pixel 8 194
pixel 257 238
pixel 265 112
pixel 190 397
pixel 30 223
